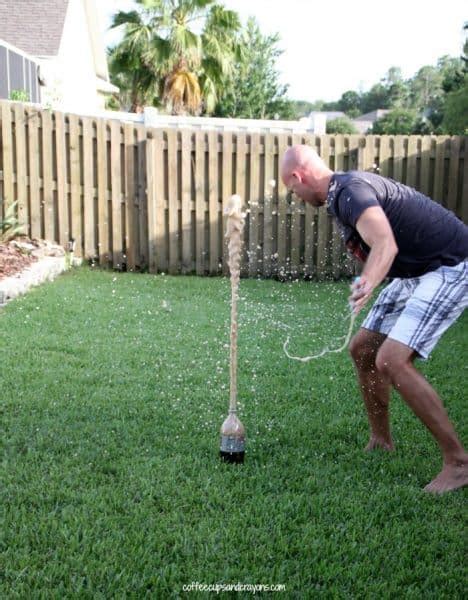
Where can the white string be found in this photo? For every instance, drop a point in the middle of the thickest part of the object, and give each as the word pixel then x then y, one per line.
pixel 326 350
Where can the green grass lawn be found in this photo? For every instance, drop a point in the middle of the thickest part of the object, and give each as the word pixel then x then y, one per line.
pixel 113 390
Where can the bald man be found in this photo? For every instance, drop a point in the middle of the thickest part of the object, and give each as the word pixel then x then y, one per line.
pixel 400 234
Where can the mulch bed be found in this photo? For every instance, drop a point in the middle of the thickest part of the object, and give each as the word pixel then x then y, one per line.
pixel 18 254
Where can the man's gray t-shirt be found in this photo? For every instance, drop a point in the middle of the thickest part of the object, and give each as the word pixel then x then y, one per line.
pixel 427 234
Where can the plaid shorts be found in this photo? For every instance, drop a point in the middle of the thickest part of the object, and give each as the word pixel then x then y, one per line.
pixel 417 311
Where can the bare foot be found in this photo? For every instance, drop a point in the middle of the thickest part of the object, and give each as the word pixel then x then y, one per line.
pixel 376 442
pixel 451 477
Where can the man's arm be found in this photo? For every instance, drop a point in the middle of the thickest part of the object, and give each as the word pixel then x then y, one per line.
pixel 374 228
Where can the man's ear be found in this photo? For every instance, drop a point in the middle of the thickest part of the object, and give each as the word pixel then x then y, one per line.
pixel 297 176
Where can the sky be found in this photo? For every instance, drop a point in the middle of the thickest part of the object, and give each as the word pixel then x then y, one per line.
pixel 338 45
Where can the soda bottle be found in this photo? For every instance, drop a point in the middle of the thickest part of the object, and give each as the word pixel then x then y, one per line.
pixel 232 439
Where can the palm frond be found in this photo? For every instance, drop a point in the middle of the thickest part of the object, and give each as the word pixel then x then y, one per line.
pixel 159 57
pixel 210 94
pixel 126 18
pixel 153 5
pixel 184 42
pixel 182 92
pixel 221 19
pixel 196 5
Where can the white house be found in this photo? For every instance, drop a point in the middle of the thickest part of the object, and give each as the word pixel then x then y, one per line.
pixel 65 40
pixel 364 123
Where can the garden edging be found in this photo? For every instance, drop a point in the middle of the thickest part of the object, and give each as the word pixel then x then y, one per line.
pixel 45 269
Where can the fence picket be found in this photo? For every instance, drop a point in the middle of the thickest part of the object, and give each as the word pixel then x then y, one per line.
pixel 103 202
pixel 75 183
pixel 186 200
pixel 323 219
pixel 439 167
pixel 227 190
pixel 62 186
pixel 151 199
pixel 141 220
pixel 213 202
pixel 47 164
pixel 200 202
pixel 173 201
pixel 384 156
pixel 411 171
pixel 296 267
pixel 282 211
pixel 7 153
pixel 130 198
pixel 116 195
pixel 241 189
pixel 254 195
pixel 337 243
pixel 34 181
pixel 366 153
pixel 426 150
pixel 88 189
pixel 454 166
pixel 21 164
pixel 159 233
pixel 398 154
pixel 269 186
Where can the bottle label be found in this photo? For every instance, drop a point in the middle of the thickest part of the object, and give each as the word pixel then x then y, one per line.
pixel 231 443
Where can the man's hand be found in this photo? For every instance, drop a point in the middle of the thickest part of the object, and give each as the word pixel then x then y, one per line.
pixel 361 292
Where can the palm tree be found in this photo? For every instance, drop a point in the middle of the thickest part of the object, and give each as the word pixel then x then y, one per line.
pixel 137 83
pixel 176 51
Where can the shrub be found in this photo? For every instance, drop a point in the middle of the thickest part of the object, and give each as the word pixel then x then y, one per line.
pixel 9 225
pixel 341 125
pixel 19 96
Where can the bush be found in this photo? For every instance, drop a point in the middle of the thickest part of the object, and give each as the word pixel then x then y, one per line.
pixel 341 125
pixel 19 96
pixel 398 121
pixel 9 225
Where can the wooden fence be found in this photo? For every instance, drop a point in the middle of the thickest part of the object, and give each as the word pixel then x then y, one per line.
pixel 134 197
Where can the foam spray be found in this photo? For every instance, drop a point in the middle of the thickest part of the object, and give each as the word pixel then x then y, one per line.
pixel 232 431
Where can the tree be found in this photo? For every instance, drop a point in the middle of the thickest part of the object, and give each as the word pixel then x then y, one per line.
pixel 302 108
pixel 426 88
pixel 397 121
pixel 377 97
pixel 254 90
pixel 464 56
pixel 452 70
pixel 350 103
pixel 176 52
pixel 455 120
pixel 398 95
pixel 341 125
pixel 393 75
pixel 138 82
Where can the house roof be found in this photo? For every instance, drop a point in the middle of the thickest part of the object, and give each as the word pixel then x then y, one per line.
pixel 34 26
pixel 372 116
pixel 330 114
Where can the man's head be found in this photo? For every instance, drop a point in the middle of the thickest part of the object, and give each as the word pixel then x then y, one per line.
pixel 304 172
